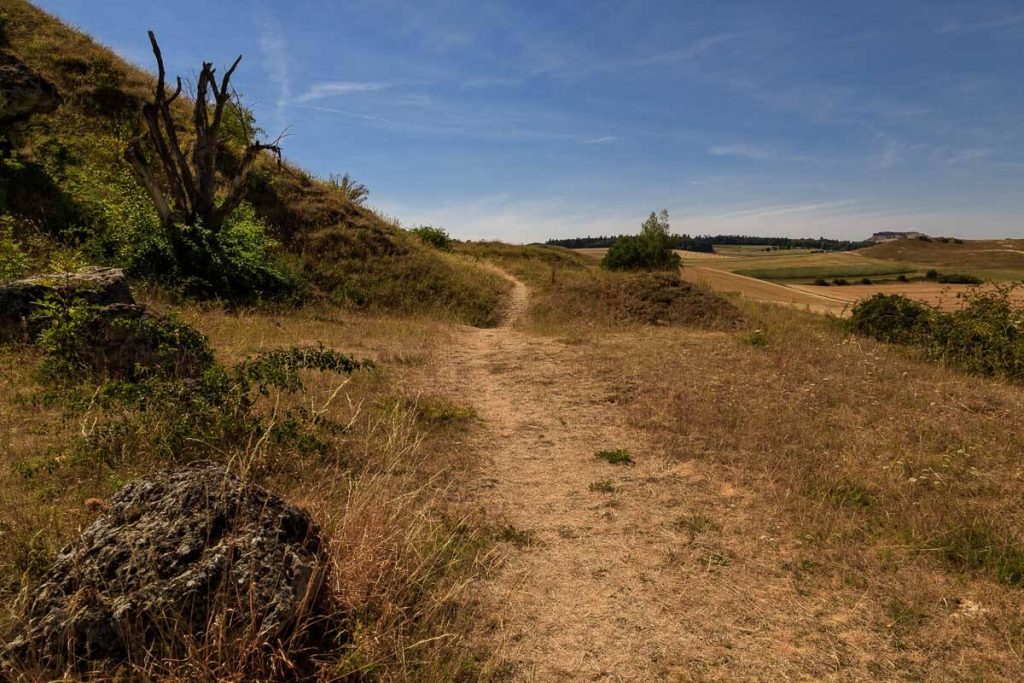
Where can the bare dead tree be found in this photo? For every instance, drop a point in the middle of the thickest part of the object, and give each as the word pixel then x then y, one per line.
pixel 189 176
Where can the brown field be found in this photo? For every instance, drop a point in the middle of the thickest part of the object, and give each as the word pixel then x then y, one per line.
pixel 990 259
pixel 768 292
pixel 945 297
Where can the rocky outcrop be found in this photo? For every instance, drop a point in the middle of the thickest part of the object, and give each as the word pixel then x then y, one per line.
pixel 175 555
pixel 23 92
pixel 93 285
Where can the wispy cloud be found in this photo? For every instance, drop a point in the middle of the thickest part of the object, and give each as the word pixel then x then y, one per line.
pixel 755 152
pixel 321 91
pixel 274 51
pixel 783 209
pixel 601 141
pixel 967 155
pixel 999 22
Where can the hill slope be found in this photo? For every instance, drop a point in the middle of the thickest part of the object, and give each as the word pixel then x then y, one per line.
pixel 998 259
pixel 65 188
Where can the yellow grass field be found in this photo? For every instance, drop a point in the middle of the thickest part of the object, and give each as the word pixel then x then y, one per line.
pixel 989 259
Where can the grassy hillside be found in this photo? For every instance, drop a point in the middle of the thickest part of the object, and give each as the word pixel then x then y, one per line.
pixel 990 259
pixel 568 289
pixel 66 195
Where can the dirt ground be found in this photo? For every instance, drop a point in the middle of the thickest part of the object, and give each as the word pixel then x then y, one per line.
pixel 624 572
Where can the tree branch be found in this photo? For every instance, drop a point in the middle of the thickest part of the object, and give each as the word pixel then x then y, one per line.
pixel 134 156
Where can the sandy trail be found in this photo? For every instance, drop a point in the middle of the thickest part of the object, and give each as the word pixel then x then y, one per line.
pixel 763 290
pixel 621 573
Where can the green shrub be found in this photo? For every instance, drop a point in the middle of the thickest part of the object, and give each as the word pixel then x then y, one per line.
pixel 210 416
pixel 118 341
pixel 986 336
pixel 435 237
pixel 13 261
pixel 978 546
pixel 619 456
pixel 932 275
pixel 958 279
pixel 238 263
pixel 840 282
pixel 902 278
pixel 650 250
pixel 755 338
pixel 865 281
pixel 890 318
pixel 821 282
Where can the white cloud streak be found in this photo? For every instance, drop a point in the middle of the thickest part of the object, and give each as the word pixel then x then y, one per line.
pixel 1001 22
pixel 274 51
pixel 320 91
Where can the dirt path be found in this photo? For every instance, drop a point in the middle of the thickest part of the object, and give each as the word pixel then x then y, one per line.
pixel 613 573
pixel 762 290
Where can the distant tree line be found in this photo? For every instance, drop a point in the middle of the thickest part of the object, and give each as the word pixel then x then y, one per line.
pixel 704 243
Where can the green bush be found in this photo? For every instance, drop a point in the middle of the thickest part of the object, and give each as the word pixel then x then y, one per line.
pixel 890 318
pixel 840 282
pixel 13 261
pixel 650 250
pixel 619 456
pixel 238 263
pixel 932 274
pixel 821 282
pixel 435 237
pixel 865 281
pixel 958 279
pixel 986 336
pixel 118 341
pixel 213 416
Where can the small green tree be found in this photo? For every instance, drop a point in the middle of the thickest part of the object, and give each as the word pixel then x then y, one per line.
pixel 650 250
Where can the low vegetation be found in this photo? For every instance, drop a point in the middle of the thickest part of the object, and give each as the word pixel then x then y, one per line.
pixel 813 272
pixel 952 278
pixel 435 237
pixel 983 336
pixel 619 456
pixel 594 298
pixel 317 425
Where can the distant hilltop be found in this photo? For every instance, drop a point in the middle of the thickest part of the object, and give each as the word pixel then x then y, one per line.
pixel 890 235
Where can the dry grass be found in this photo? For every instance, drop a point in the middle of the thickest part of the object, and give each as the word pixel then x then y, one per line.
pixel 896 482
pixel 401 553
pixel 568 293
pixel 989 259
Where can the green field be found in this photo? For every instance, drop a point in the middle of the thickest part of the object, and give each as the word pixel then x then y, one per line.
pixel 826 271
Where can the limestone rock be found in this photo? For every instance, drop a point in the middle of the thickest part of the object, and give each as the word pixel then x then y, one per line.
pixel 93 285
pixel 175 555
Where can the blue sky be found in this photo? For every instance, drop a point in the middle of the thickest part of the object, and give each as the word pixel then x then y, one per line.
pixel 525 120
